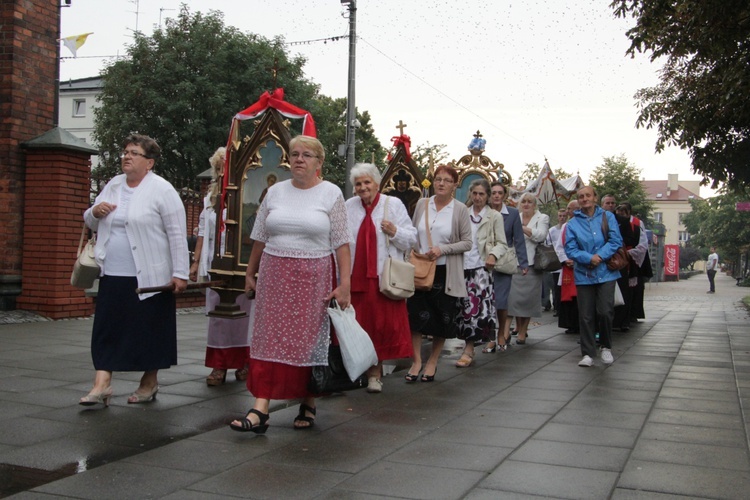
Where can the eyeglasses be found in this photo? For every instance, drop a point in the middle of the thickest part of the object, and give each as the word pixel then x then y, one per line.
pixel 443 180
pixel 132 153
pixel 305 156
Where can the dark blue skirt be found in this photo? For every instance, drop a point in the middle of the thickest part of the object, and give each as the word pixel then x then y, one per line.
pixel 434 312
pixel 131 334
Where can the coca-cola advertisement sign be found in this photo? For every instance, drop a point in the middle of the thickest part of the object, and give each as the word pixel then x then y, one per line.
pixel 671 260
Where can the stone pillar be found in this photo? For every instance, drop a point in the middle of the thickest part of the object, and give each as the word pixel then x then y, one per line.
pixel 58 174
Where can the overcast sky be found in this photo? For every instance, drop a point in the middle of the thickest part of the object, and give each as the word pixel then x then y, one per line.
pixel 538 78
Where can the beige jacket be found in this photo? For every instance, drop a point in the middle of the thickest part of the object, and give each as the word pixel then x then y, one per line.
pixel 492 230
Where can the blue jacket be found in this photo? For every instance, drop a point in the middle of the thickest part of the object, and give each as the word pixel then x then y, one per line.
pixel 584 238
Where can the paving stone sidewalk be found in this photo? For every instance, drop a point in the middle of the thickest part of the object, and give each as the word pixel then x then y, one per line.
pixel 667 420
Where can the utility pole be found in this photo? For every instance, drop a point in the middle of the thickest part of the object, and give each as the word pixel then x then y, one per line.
pixel 351 116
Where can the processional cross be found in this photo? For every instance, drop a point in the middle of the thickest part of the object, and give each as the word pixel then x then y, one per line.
pixel 401 126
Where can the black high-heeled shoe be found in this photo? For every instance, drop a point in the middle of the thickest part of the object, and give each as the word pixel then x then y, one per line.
pixel 411 378
pixel 488 349
pixel 428 378
pixel 247 426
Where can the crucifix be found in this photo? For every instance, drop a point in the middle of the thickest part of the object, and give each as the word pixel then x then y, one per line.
pixel 401 126
pixel 478 135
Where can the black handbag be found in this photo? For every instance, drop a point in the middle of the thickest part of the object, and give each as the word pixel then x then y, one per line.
pixel 545 259
pixel 333 377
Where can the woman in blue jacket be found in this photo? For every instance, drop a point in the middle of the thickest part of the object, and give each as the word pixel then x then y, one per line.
pixel 589 248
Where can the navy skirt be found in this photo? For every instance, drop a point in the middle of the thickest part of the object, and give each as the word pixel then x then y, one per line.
pixel 434 312
pixel 131 334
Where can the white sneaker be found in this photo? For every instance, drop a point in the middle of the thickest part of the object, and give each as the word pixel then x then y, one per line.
pixel 586 361
pixel 374 385
pixel 606 356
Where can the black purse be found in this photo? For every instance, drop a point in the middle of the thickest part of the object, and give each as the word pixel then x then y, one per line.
pixel 333 377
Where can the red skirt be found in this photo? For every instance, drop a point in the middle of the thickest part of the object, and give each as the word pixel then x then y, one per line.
pixel 271 380
pixel 385 320
pixel 227 358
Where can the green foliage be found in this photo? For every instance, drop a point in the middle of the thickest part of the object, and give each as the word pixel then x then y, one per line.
pixel 183 85
pixel 617 176
pixel 689 255
pixel 716 222
pixel 531 173
pixel 421 155
pixel 701 102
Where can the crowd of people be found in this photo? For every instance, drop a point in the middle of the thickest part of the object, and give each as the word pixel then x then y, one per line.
pixel 311 247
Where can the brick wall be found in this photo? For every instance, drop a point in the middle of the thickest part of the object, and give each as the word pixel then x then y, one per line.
pixel 57 188
pixel 28 73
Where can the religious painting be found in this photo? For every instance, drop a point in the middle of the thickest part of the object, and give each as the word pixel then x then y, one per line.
pixel 405 188
pixel 256 181
pixel 462 190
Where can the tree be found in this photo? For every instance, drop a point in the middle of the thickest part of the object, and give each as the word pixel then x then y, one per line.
pixel 689 255
pixel 617 176
pixel 183 85
pixel 716 222
pixel 423 152
pixel 330 117
pixel 531 173
pixel 701 102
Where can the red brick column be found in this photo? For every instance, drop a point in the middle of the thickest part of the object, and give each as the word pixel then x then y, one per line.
pixel 57 194
pixel 28 75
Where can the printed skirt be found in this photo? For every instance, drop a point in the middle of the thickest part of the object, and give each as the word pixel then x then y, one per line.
pixel 477 317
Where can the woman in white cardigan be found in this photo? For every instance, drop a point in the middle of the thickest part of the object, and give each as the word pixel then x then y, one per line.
pixel 141 242
pixel 525 300
pixel 380 227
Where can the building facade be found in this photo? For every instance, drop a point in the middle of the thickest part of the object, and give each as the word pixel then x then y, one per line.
pixel 671 200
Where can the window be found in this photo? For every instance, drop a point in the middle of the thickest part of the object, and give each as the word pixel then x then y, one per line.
pixel 683 236
pixel 657 216
pixel 79 107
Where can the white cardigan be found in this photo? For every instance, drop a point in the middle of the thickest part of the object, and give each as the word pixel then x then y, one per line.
pixel 539 225
pixel 156 229
pixel 406 234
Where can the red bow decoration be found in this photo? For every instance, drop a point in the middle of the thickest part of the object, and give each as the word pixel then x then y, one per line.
pixel 405 141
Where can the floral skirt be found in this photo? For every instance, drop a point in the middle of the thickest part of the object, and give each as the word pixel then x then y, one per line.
pixel 477 316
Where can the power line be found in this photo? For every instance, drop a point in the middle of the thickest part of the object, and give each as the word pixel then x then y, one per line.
pixel 454 101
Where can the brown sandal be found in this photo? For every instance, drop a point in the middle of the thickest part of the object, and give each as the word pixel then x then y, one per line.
pixel 241 374
pixel 216 377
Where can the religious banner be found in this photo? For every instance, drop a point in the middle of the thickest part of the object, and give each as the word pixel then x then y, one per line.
pixel 671 262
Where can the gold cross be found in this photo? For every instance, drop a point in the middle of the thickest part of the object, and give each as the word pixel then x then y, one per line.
pixel 477 135
pixel 401 126
pixel 275 70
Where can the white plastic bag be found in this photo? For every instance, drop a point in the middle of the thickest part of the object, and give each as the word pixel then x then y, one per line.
pixel 619 300
pixel 357 349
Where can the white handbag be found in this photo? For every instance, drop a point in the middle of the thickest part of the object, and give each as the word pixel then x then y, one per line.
pixel 357 349
pixel 85 269
pixel 397 278
pixel 508 262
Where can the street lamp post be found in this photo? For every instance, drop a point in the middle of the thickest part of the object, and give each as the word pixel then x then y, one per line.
pixel 351 115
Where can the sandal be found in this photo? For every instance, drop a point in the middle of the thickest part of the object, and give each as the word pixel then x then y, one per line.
pixel 216 377
pixel 241 374
pixel 302 417
pixel 246 425
pixel 490 347
pixel 465 360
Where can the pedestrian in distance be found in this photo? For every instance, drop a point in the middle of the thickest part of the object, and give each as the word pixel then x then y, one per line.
pixel 712 265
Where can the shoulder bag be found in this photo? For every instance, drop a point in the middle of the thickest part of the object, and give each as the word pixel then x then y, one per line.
pixel 508 262
pixel 620 259
pixel 397 278
pixel 424 267
pixel 545 259
pixel 85 269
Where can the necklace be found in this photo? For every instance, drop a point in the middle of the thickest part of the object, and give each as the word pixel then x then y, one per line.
pixel 477 220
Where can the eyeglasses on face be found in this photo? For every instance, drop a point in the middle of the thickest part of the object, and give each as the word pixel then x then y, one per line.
pixel 443 180
pixel 132 153
pixel 305 156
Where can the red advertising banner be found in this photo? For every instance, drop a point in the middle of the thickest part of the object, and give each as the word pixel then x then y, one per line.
pixel 671 262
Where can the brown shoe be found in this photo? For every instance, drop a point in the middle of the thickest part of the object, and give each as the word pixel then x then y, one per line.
pixel 217 377
pixel 241 374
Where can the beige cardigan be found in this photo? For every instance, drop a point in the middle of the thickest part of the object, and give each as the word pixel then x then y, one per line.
pixel 492 223
pixel 460 242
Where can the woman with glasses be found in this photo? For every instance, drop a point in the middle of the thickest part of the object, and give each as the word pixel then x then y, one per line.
pixel 301 223
pixel 141 242
pixel 477 319
pixel 433 312
pixel 227 340
pixel 381 228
